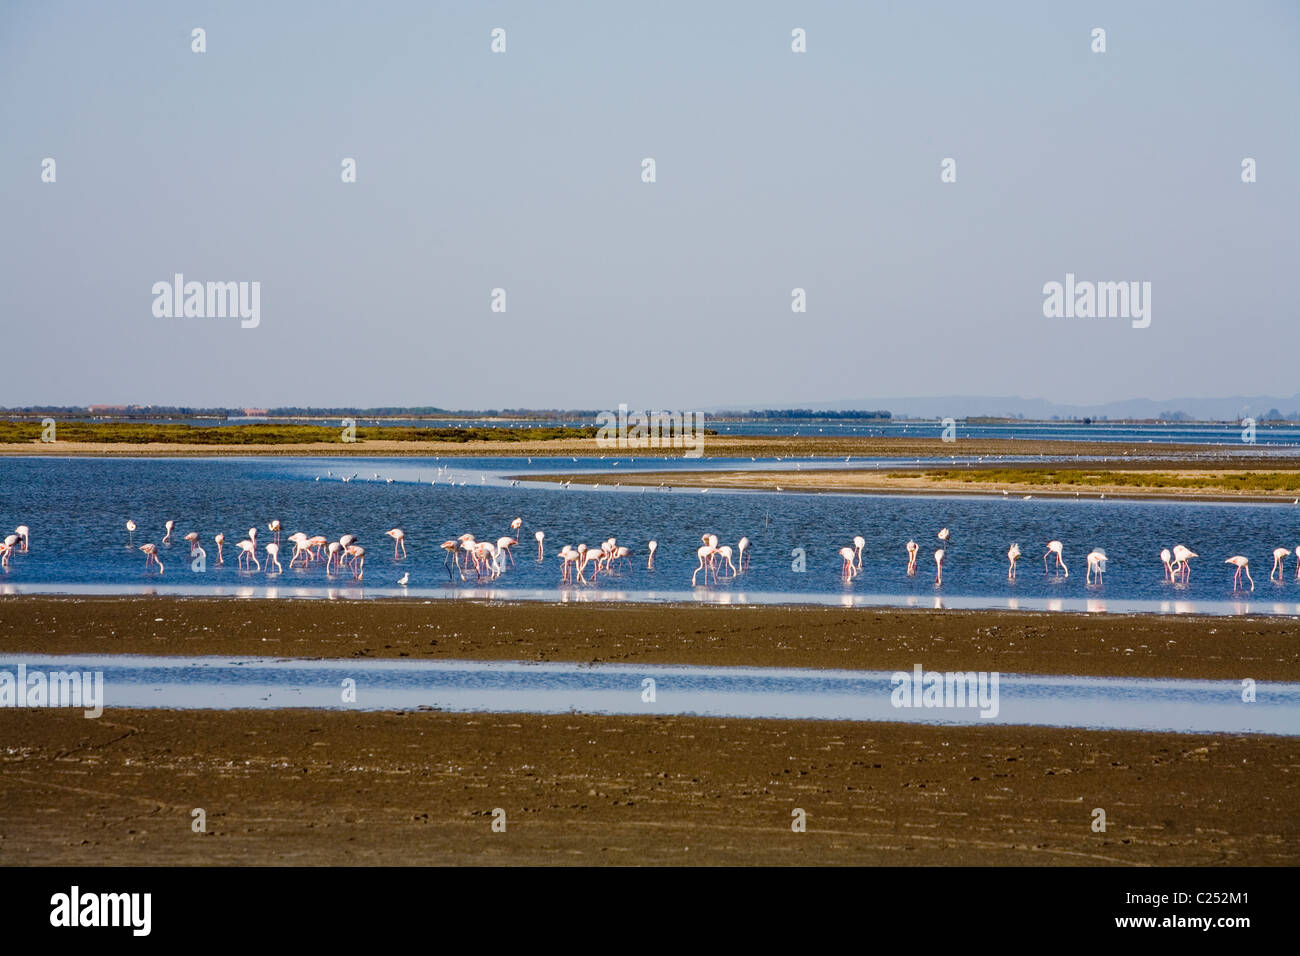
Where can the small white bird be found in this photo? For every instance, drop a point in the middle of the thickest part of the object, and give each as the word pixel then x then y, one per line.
pixel 405 579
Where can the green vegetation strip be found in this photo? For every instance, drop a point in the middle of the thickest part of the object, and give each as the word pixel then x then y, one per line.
pixel 1231 481
pixel 144 434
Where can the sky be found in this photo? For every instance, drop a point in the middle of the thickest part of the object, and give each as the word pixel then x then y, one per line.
pixel 523 171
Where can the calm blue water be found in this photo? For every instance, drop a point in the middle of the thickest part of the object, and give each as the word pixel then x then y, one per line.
pixel 1184 706
pixel 77 509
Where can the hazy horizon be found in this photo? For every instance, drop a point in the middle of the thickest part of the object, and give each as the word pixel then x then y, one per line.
pixel 522 171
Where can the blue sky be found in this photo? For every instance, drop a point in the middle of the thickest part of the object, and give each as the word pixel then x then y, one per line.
pixel 522 171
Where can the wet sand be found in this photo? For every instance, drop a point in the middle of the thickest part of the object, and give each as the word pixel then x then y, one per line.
pixel 316 788
pixel 774 636
pixel 310 788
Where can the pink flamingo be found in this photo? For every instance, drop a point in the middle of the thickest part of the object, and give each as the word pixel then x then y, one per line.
pixel 130 530
pixel 653 546
pixel 275 526
pixel 742 554
pixel 569 557
pixel 358 556
pixel 541 537
pixel 1297 563
pixel 151 556
pixel 912 549
pixel 1096 563
pixel 1055 547
pixel 399 541
pixel 220 539
pixel 248 551
pixel 1243 564
pixel 1181 555
pixel 1279 563
pixel 943 537
pixel 859 543
pixel 332 559
pixel 515 526
pixel 724 554
pixel 273 557
pixel 1167 558
pixel 26 535
pixel 504 544
pixel 300 548
pixel 4 554
pixel 705 554
pixel 938 566
pixel 193 538
pixel 848 570
pixel 1013 555
pixel 252 536
pixel 168 536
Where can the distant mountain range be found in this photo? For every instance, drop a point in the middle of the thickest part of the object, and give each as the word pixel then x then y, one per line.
pixel 1231 408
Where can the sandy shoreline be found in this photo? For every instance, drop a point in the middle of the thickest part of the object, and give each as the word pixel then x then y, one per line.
pixel 314 788
pixel 305 787
pixel 775 636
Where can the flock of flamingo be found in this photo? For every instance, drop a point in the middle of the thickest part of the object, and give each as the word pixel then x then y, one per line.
pixel 488 559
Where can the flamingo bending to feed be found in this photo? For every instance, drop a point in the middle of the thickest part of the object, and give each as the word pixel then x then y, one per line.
pixel 248 550
pixel 849 569
pixel 273 557
pixel 938 566
pixel 1297 563
pixel 1055 547
pixel 220 539
pixel 504 544
pixel 1243 564
pixel 1279 563
pixel 4 554
pixel 1167 558
pixel 1013 555
pixel 742 553
pixel 151 556
pixel 332 559
pixel 25 534
pixel 912 549
pixel 358 556
pixel 1097 563
pixel 859 543
pixel 705 554
pixel 1181 554
pixel 399 541
pixel 193 538
pixel 169 524
pixel 541 537
pixel 654 545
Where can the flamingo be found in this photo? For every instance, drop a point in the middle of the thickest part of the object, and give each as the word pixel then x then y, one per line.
pixel 248 550
pixel 1279 563
pixel 515 526
pixel 1097 562
pixel 541 537
pixel 273 557
pixel 332 552
pixel 252 536
pixel 450 548
pixel 724 554
pixel 151 556
pixel 859 543
pixel 11 541
pixel 742 554
pixel 130 530
pixel 4 554
pixel 1013 555
pixel 570 559
pixel 399 541
pixel 849 570
pixel 938 567
pixel 1243 564
pixel 912 549
pixel 358 556
pixel 943 536
pixel 275 526
pixel 1181 554
pixel 220 539
pixel 299 548
pixel 1297 563
pixel 168 525
pixel 1055 547
pixel 193 538
pixel 25 534
pixel 705 554
pixel 654 545
pixel 1166 557
pixel 504 544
